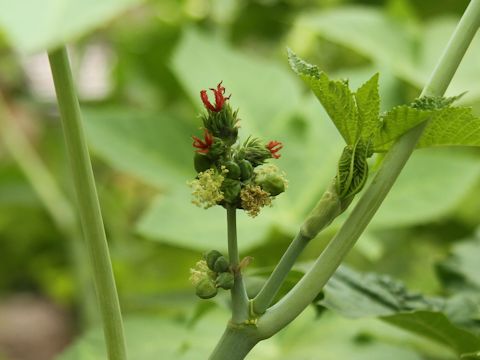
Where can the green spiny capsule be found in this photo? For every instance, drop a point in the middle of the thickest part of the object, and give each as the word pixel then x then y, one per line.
pixel 274 184
pixel 233 170
pixel 221 265
pixel 246 169
pixel 201 162
pixel 231 190
pixel 206 289
pixel 225 280
pixel 211 257
pixel 217 149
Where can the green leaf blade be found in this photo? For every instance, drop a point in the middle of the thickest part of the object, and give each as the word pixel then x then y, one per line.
pixel 358 295
pixel 368 104
pixel 395 123
pixel 335 96
pixel 453 126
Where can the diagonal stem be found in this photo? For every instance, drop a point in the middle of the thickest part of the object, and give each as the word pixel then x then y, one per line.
pixel 88 205
pixel 327 209
pixel 311 284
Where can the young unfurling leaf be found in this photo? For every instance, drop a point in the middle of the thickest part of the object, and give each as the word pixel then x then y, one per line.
pixel 356 115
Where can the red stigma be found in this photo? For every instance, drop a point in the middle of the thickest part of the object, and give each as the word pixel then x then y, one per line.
pixel 220 99
pixel 274 147
pixel 203 146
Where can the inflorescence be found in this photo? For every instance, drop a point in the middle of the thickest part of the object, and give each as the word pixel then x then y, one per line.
pixel 230 173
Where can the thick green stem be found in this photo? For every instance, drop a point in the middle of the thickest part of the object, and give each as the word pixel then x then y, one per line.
pixel 311 284
pixel 88 205
pixel 327 209
pixel 240 310
pixel 273 284
pixel 235 344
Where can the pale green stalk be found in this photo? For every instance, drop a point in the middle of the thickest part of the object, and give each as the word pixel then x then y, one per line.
pixel 238 292
pixel 88 205
pixel 327 209
pixel 311 284
pixel 235 343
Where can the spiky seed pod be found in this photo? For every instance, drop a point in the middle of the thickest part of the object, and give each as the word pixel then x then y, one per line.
pixel 217 150
pixel 254 150
pixel 222 124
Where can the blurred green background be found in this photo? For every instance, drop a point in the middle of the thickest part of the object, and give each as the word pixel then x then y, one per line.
pixel 139 68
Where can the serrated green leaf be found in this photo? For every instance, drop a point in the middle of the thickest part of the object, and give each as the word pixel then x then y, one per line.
pixel 452 126
pixel 368 105
pixel 356 295
pixel 354 114
pixel 436 326
pixel 448 126
pixel 395 123
pixel 434 102
pixel 335 96
pixel 409 50
pixel 366 30
pixel 32 25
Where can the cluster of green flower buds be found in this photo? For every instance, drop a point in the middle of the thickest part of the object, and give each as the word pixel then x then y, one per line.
pixel 210 274
pixel 230 173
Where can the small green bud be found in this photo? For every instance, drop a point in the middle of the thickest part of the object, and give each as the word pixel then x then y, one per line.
pixel 221 265
pixel 225 280
pixel 231 190
pixel 274 184
pixel 211 257
pixel 233 170
pixel 246 169
pixel 206 289
pixel 201 162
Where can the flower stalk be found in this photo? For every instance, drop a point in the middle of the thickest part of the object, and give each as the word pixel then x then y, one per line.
pixel 88 204
pixel 240 311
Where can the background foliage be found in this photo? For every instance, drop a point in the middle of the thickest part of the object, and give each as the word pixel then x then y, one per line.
pixel 139 68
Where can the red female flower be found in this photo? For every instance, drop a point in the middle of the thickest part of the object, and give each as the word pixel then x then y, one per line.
pixel 274 147
pixel 203 146
pixel 219 98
